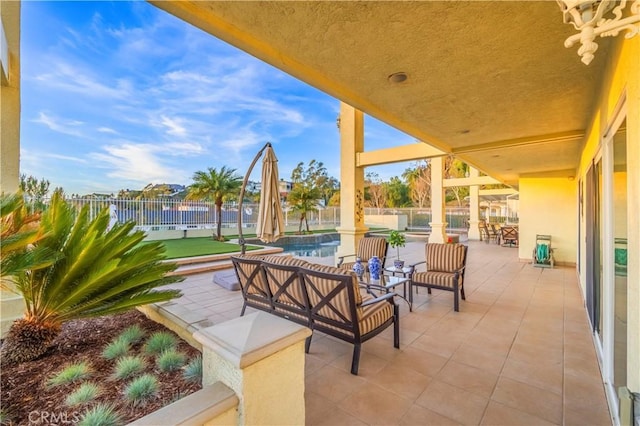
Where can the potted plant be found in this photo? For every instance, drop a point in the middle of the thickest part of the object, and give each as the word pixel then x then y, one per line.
pixel 397 240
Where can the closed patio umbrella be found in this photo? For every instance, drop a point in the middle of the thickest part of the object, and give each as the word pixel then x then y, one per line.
pixel 270 224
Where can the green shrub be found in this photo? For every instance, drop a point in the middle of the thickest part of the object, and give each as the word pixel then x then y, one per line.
pixel 100 415
pixel 128 366
pixel 117 348
pixel 72 373
pixel 170 360
pixel 85 393
pixel 160 342
pixel 193 370
pixel 133 334
pixel 141 389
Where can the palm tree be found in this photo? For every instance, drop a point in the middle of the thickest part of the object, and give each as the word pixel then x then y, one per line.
pixel 18 233
pixel 304 198
pixel 96 272
pixel 216 186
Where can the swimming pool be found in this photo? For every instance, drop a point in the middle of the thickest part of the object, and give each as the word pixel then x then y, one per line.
pixel 320 245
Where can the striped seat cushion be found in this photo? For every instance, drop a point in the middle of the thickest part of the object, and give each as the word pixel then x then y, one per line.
pixel 444 257
pixel 285 260
pixel 443 279
pixel 372 246
pixel 301 318
pixel 372 316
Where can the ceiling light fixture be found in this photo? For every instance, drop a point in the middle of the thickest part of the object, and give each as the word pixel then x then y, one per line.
pixel 588 17
pixel 397 77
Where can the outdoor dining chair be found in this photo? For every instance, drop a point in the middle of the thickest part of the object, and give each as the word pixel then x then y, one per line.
pixel 487 234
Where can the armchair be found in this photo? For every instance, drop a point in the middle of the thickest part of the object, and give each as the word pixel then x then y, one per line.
pixel 367 248
pixel 339 310
pixel 445 264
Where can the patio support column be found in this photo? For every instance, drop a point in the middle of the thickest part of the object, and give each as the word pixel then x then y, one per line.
pixel 438 219
pixel 474 207
pixel 352 228
pixel 261 358
pixel 10 97
pixel 12 305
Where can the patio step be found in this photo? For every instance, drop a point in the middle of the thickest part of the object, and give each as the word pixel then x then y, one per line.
pixel 216 262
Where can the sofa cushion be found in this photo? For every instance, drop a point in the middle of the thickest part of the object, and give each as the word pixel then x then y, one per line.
pixel 247 267
pixel 285 284
pixel 339 271
pixel 285 260
pixel 329 296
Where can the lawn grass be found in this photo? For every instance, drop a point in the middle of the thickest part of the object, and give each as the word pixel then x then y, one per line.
pixel 190 247
pixel 204 246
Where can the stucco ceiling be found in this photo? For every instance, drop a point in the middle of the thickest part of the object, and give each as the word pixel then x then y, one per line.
pixel 489 81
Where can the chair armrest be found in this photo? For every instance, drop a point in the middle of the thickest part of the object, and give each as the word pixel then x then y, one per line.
pixel 341 258
pixel 386 296
pixel 413 266
pixel 373 286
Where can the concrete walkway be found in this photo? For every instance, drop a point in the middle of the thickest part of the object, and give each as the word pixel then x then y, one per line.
pixel 519 351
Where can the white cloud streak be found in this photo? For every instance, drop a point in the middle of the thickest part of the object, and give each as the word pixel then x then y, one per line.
pixel 69 127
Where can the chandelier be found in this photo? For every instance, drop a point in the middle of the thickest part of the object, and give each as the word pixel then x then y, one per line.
pixel 594 18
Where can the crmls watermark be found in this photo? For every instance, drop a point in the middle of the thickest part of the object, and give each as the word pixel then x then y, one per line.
pixel 53 417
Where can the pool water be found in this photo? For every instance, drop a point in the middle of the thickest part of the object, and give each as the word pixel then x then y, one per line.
pixel 313 250
pixel 324 245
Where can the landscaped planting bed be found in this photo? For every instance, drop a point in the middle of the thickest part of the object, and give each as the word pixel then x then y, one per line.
pixel 101 362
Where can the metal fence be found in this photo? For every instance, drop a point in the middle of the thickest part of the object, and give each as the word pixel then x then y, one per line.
pixel 168 214
pixel 457 218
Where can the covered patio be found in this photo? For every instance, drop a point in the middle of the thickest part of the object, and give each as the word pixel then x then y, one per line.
pixel 520 351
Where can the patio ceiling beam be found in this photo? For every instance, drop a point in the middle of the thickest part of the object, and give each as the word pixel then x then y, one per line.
pixel 470 181
pixel 412 152
pixel 525 141
pixel 498 191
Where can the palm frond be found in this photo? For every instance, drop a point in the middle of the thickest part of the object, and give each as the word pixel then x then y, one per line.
pixel 98 271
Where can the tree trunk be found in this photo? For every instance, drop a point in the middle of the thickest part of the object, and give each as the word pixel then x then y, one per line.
pixel 219 224
pixel 302 218
pixel 27 340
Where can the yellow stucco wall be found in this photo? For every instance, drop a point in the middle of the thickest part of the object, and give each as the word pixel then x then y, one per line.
pixel 548 206
pixel 10 101
pixel 621 85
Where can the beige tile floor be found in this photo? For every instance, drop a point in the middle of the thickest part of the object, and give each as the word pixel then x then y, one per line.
pixel 519 352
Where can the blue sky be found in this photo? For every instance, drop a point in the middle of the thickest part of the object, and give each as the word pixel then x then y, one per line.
pixel 121 94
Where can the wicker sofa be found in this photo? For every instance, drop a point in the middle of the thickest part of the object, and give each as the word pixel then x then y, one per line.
pixel 324 298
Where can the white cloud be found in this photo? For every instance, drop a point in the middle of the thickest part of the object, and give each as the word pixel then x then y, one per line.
pixel 65 158
pixel 106 130
pixel 69 127
pixel 69 78
pixel 183 149
pixel 137 163
pixel 174 126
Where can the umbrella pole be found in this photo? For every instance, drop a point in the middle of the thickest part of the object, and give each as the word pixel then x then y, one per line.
pixel 241 240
